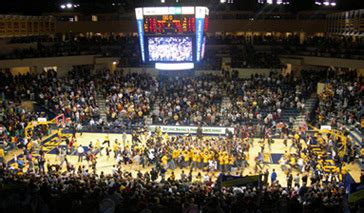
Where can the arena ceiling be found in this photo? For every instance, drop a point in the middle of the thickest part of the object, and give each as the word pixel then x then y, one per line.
pixel 37 7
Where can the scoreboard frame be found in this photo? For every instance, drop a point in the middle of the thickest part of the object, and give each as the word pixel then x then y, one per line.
pixel 166 21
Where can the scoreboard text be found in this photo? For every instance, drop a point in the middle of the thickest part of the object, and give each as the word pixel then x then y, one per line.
pixel 165 24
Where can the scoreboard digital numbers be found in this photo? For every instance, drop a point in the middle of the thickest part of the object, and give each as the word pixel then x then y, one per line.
pixel 172 37
pixel 169 24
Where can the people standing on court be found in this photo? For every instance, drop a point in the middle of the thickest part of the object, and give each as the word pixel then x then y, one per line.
pixel 265 177
pixel 106 141
pixel 62 156
pixel 135 138
pixel 80 152
pixel 273 176
pixel 289 180
pixel 71 146
pixel 124 139
pixel 296 180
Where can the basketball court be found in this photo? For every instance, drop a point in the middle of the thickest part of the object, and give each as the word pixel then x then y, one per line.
pixel 104 164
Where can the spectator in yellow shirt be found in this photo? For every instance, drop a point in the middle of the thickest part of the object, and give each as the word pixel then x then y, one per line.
pixel 13 142
pixel 226 163
pixel 206 157
pixel 175 156
pixel 231 161
pixel 106 140
pixel 2 155
pixel 221 162
pixel 186 158
pixel 116 149
pixel 195 159
pixel 164 161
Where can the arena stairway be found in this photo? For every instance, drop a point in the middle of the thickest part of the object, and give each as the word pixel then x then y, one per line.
pixel 225 105
pixel 155 109
pixel 101 102
pixel 310 105
pixel 298 120
pixel 357 136
pixel 285 114
pixel 156 104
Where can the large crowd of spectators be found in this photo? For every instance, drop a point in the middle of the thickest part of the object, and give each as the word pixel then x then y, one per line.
pixel 13 122
pixel 14 117
pixel 184 100
pixel 254 105
pixel 73 95
pixel 264 99
pixel 341 101
pixel 198 101
pixel 85 192
pixel 190 101
pixel 46 187
pixel 129 98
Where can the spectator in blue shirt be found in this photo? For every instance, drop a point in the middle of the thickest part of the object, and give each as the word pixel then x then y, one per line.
pixel 273 176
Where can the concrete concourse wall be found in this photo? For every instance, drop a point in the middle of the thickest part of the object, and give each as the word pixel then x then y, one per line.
pixel 63 64
pixel 323 61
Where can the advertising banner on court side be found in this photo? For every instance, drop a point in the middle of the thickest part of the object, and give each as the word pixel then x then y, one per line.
pixel 192 129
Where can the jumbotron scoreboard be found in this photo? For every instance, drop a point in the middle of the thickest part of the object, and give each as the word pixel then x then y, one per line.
pixel 172 38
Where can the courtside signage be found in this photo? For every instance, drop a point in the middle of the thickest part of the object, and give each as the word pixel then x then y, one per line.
pixel 192 129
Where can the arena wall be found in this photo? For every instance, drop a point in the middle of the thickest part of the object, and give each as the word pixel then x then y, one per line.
pixel 129 26
pixel 323 61
pixel 308 26
pixel 96 27
pixel 64 64
pixel 9 48
pixel 246 73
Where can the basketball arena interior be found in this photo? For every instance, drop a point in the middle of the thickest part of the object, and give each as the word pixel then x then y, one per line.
pixel 182 106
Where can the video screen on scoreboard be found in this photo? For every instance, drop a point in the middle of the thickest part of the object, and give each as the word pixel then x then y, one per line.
pixel 170 49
